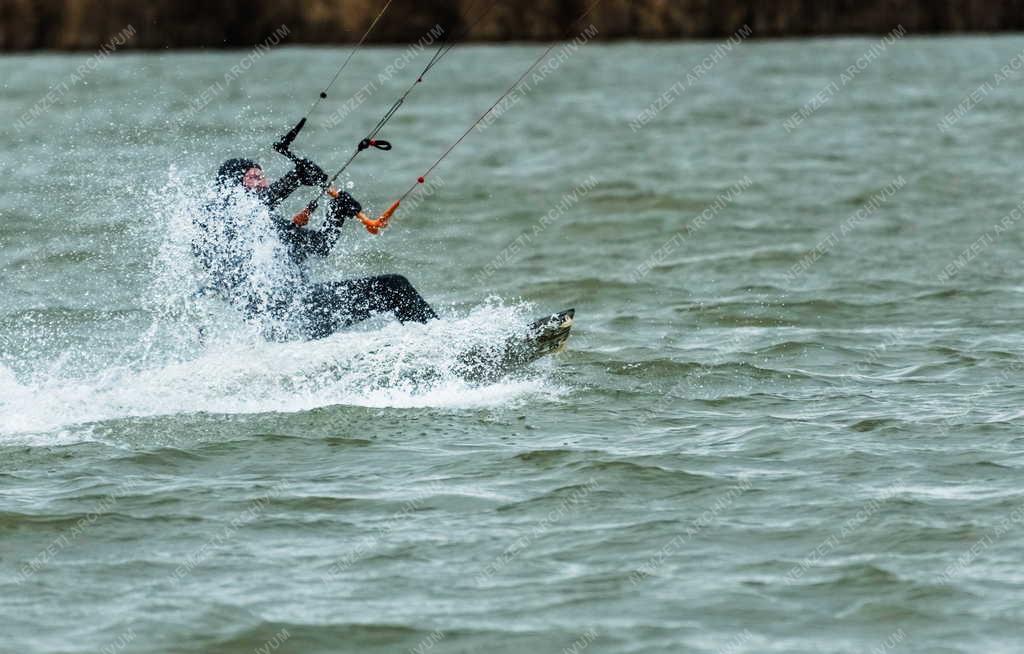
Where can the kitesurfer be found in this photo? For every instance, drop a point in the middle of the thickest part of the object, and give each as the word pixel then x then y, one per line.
pixel 255 258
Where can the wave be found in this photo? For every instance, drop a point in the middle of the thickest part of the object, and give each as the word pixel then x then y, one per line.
pixel 674 370
pixel 554 456
pixel 595 464
pixel 360 637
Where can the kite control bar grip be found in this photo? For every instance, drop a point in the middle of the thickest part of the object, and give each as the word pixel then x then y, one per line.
pixel 374 226
pixel 301 219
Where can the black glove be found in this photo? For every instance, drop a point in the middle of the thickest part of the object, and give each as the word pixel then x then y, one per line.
pixel 309 173
pixel 342 207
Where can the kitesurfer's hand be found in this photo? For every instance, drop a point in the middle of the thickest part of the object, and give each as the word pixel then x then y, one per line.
pixel 343 206
pixel 309 173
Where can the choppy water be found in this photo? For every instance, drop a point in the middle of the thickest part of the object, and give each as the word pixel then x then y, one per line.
pixel 782 425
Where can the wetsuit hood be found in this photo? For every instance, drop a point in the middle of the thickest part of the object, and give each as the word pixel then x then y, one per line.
pixel 232 171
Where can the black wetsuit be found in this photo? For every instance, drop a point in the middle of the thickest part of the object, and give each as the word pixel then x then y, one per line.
pixel 294 307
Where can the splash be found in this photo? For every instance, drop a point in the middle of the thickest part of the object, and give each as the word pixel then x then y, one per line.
pixel 200 356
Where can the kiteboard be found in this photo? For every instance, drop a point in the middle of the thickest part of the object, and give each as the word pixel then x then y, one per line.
pixel 545 336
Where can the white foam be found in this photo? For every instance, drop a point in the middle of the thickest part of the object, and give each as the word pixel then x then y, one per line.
pixel 402 366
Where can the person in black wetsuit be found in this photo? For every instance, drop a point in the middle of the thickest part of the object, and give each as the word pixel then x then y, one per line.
pixel 254 258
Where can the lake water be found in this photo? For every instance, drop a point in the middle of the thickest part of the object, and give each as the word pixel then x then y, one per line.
pixel 789 419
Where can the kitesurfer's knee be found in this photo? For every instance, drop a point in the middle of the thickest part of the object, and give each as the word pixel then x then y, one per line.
pixel 406 302
pixel 395 282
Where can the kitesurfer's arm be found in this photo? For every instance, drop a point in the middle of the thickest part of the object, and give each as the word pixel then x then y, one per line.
pixel 306 173
pixel 281 189
pixel 311 242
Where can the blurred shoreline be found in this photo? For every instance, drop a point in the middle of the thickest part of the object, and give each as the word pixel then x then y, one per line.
pixel 27 25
